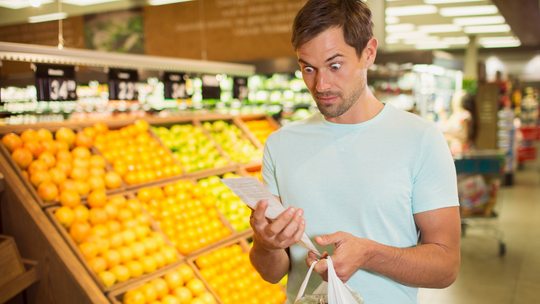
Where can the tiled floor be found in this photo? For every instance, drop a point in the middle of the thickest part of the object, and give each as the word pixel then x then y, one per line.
pixel 486 277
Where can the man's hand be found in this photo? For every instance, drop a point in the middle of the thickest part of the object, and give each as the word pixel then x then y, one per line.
pixel 349 255
pixel 284 232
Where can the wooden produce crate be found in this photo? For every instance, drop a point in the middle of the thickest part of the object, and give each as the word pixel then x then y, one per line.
pixel 245 135
pixel 116 296
pixel 230 275
pixel 20 282
pixel 11 265
pixel 254 117
pixel 28 184
pixel 203 172
pixel 73 245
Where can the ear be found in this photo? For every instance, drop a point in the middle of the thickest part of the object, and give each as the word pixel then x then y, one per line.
pixel 369 53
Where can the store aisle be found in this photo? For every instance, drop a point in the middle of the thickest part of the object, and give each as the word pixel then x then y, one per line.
pixel 484 276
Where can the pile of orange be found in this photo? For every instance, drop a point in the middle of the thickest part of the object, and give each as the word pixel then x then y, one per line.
pixel 61 162
pixel 135 155
pixel 187 216
pixel 231 276
pixel 176 287
pixel 256 173
pixel 114 235
pixel 260 128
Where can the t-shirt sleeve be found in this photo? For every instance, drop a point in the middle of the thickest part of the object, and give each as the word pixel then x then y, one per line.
pixel 434 176
pixel 269 163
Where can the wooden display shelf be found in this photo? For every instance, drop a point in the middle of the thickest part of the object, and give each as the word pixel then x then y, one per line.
pixel 245 118
pixel 65 234
pixel 11 265
pixel 20 282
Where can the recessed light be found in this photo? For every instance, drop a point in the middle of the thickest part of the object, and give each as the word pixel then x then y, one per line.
pixel 448 1
pixel 47 17
pixel 163 2
pixel 86 2
pixel 500 28
pixel 411 10
pixel 479 20
pixel 468 10
pixel 440 28
pixel 403 27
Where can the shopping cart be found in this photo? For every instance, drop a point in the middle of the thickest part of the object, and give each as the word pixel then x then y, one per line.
pixel 479 176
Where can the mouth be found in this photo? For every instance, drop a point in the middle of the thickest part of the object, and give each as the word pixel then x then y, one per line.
pixel 328 100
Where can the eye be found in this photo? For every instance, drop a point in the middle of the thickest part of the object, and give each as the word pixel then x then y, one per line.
pixel 335 66
pixel 308 69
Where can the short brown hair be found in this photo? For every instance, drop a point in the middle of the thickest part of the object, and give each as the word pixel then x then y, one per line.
pixel 353 16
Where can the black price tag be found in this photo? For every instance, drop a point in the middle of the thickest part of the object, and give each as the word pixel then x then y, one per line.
pixel 55 82
pixel 123 84
pixel 210 87
pixel 175 85
pixel 240 88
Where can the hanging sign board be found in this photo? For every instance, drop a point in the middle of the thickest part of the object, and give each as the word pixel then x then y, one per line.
pixel 240 88
pixel 210 87
pixel 175 85
pixel 55 82
pixel 123 84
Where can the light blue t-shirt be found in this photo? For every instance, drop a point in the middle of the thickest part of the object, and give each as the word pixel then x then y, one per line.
pixel 367 179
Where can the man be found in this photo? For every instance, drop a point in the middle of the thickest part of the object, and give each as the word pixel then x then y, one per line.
pixel 361 178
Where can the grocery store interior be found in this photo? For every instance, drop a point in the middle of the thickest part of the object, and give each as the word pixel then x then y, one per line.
pixel 118 119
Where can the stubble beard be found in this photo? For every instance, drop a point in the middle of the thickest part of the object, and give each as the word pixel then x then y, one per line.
pixel 342 105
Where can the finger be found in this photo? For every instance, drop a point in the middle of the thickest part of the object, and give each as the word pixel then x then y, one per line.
pixel 322 269
pixel 293 227
pixel 258 220
pixel 329 239
pixel 281 222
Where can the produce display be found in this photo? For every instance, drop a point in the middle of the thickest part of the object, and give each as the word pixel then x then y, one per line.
pixel 230 274
pixel 187 216
pixel 260 128
pixel 135 155
pixel 233 141
pixel 61 165
pixel 236 212
pixel 176 287
pixel 114 236
pixel 256 173
pixel 191 147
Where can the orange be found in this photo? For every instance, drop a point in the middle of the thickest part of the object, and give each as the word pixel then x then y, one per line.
pixel 113 180
pixel 198 301
pixel 68 184
pixel 135 269
pixel 79 231
pixel 130 178
pixel 99 231
pixel 196 286
pixel 128 237
pixel 144 195
pixel 48 191
pixel 79 173
pixel 64 156
pixel 29 135
pixel 183 294
pixel 112 257
pixel 126 254
pixel 66 135
pixel 81 213
pixel 70 198
pixel 97 216
pixel 117 200
pixel 61 145
pixel 207 298
pixel 116 240
pixel 124 214
pixel 39 177
pixel 141 126
pixel 97 198
pixel 168 299
pixel 81 152
pixel 120 169
pixel 64 166
pixel 134 206
pixel 97 161
pixel 23 157
pixel 65 216
pixel 169 253
pixel 34 147
pixel 160 259
pixel 98 264
pixel 161 287
pixel 37 165
pixel 12 141
pixel 96 171
pixel 57 175
pixel 148 264
pixel 83 140
pixel 141 232
pixel 149 292
pixel 101 128
pixel 49 146
pixel 107 278
pixel 89 131
pixel 103 245
pixel 96 183
pixel 120 272
pixel 113 226
pixel 138 250
pixel 186 272
pixel 134 296
pixel 82 187
pixel 81 162
pixel 89 250
pixel 112 211
pixel 173 279
pixel 43 134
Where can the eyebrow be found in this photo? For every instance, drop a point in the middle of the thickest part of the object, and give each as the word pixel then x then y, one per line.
pixel 327 60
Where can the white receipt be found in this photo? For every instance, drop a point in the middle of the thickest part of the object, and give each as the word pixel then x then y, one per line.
pixel 251 191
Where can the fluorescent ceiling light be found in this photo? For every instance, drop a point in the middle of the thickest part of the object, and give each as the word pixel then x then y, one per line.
pixel 17 4
pixel 479 20
pixel 448 1
pixel 502 44
pixel 390 40
pixel 163 2
pixel 424 40
pixel 47 17
pixel 403 27
pixel 456 40
pixel 468 10
pixel 497 39
pixel 404 35
pixel 500 28
pixel 439 28
pixel 391 20
pixel 411 10
pixel 431 46
pixel 86 2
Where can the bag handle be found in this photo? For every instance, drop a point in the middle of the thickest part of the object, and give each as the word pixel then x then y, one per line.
pixel 306 280
pixel 338 292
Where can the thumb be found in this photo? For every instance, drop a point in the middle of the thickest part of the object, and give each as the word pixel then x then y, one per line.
pixel 328 239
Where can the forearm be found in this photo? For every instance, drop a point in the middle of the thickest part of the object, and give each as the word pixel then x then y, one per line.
pixel 427 265
pixel 272 265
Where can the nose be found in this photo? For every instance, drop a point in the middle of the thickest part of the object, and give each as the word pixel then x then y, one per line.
pixel 323 82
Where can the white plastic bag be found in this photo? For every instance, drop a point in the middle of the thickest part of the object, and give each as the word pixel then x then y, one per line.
pixel 333 292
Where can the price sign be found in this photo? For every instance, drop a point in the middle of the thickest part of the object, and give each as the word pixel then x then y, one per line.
pixel 210 87
pixel 123 84
pixel 240 88
pixel 55 82
pixel 175 85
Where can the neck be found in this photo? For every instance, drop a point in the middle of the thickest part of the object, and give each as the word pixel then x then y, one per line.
pixel 364 109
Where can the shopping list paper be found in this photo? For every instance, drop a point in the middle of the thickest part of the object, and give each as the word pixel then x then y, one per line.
pixel 251 191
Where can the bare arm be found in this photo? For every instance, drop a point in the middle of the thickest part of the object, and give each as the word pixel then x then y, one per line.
pixel 270 239
pixel 433 264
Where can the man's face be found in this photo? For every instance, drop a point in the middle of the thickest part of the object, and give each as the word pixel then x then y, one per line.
pixel 332 71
